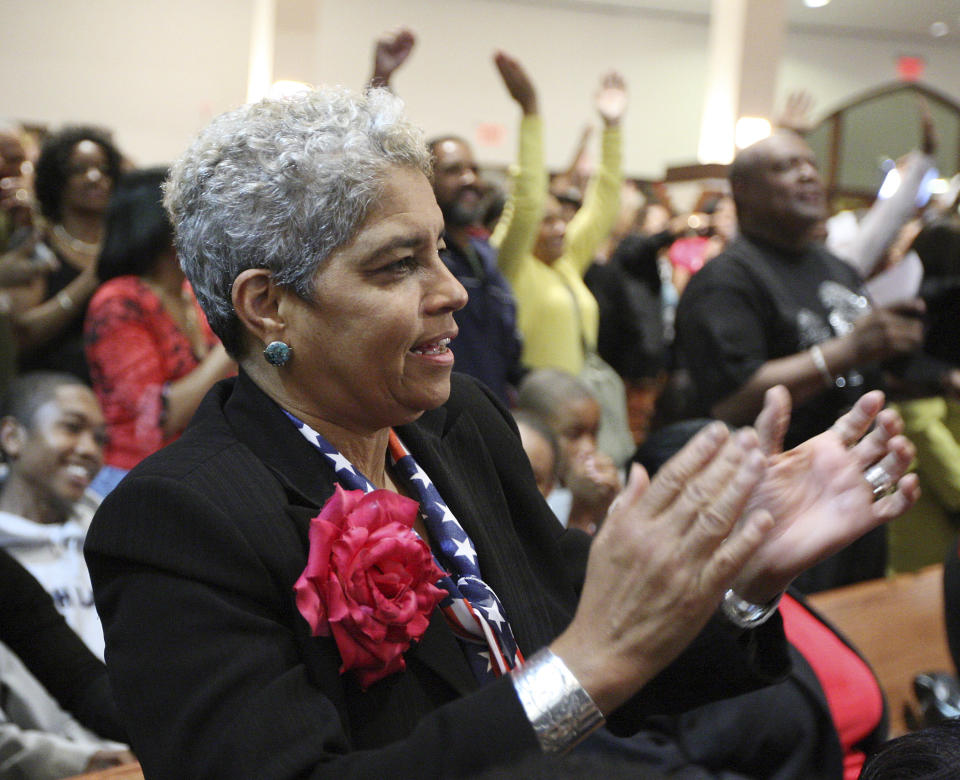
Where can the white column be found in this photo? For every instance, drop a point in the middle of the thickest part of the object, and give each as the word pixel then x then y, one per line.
pixel 746 41
pixel 262 36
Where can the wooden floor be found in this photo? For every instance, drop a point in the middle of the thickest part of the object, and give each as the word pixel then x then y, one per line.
pixel 897 624
pixel 125 772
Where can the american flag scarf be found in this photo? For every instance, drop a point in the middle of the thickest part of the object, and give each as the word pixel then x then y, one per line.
pixel 471 608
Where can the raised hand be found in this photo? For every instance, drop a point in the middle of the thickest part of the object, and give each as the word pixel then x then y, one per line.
pixel 817 492
pixel 517 82
pixel 796 113
pixel 929 140
pixel 611 98
pixel 660 564
pixel 390 52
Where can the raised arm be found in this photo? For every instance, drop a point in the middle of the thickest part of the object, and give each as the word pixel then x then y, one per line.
pixel 390 52
pixel 879 227
pixel 516 231
pixel 796 112
pixel 601 203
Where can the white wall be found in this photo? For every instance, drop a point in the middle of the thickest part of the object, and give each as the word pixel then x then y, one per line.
pixel 838 69
pixel 157 70
pixel 451 85
pixel 153 70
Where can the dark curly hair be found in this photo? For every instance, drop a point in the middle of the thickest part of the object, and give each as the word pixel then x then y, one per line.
pixel 51 177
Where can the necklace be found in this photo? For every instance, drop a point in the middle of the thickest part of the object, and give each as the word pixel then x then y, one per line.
pixel 67 241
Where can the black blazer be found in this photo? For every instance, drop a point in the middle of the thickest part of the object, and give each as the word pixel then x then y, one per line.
pixel 193 559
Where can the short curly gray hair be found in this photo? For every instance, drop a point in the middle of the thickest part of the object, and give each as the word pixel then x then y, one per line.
pixel 280 184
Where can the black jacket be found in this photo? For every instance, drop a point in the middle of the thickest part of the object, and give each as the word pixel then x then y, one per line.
pixel 193 559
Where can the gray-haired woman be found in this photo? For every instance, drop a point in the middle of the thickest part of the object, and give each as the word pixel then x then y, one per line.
pixel 341 566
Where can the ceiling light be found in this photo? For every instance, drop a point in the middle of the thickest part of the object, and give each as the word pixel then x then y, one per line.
pixel 815 3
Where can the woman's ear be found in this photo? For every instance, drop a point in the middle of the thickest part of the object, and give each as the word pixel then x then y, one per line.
pixel 256 300
pixel 12 437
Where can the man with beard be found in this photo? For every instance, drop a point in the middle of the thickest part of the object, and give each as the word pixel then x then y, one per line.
pixel 488 345
pixel 777 308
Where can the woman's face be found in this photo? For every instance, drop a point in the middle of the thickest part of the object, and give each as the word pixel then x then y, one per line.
pixel 553 228
pixel 371 350
pixel 88 184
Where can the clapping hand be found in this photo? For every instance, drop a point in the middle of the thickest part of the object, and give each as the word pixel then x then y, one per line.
pixel 817 492
pixel 661 562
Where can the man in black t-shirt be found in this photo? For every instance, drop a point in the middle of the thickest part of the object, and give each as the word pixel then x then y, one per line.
pixel 777 308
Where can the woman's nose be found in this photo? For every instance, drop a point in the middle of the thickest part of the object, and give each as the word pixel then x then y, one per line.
pixel 446 293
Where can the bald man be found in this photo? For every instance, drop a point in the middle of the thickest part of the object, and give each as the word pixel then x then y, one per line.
pixel 777 308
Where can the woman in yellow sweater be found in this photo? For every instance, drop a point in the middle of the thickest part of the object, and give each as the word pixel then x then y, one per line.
pixel 557 314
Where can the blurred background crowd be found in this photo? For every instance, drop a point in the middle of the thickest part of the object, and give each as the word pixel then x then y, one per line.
pixel 614 314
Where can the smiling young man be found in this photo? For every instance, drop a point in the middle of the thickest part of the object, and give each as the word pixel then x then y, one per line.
pixel 52 435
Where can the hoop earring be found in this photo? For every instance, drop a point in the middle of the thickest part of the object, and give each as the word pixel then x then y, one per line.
pixel 277 353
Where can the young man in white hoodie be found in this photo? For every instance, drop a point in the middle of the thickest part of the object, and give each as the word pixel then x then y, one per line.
pixel 52 434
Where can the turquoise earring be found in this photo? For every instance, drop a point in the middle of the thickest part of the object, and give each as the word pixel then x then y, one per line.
pixel 277 353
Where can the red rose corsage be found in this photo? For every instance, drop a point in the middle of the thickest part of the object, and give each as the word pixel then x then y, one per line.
pixel 369 580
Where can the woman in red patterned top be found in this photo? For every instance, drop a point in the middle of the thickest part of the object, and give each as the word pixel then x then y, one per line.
pixel 151 354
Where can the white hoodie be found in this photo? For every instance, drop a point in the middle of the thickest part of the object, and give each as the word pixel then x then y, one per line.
pixel 53 554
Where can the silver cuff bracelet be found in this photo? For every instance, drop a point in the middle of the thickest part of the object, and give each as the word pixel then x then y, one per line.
pixel 745 614
pixel 560 710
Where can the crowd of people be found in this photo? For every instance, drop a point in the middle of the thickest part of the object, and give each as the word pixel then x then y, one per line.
pixel 238 466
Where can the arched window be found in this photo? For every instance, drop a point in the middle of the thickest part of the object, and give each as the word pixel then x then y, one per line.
pixel 852 142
